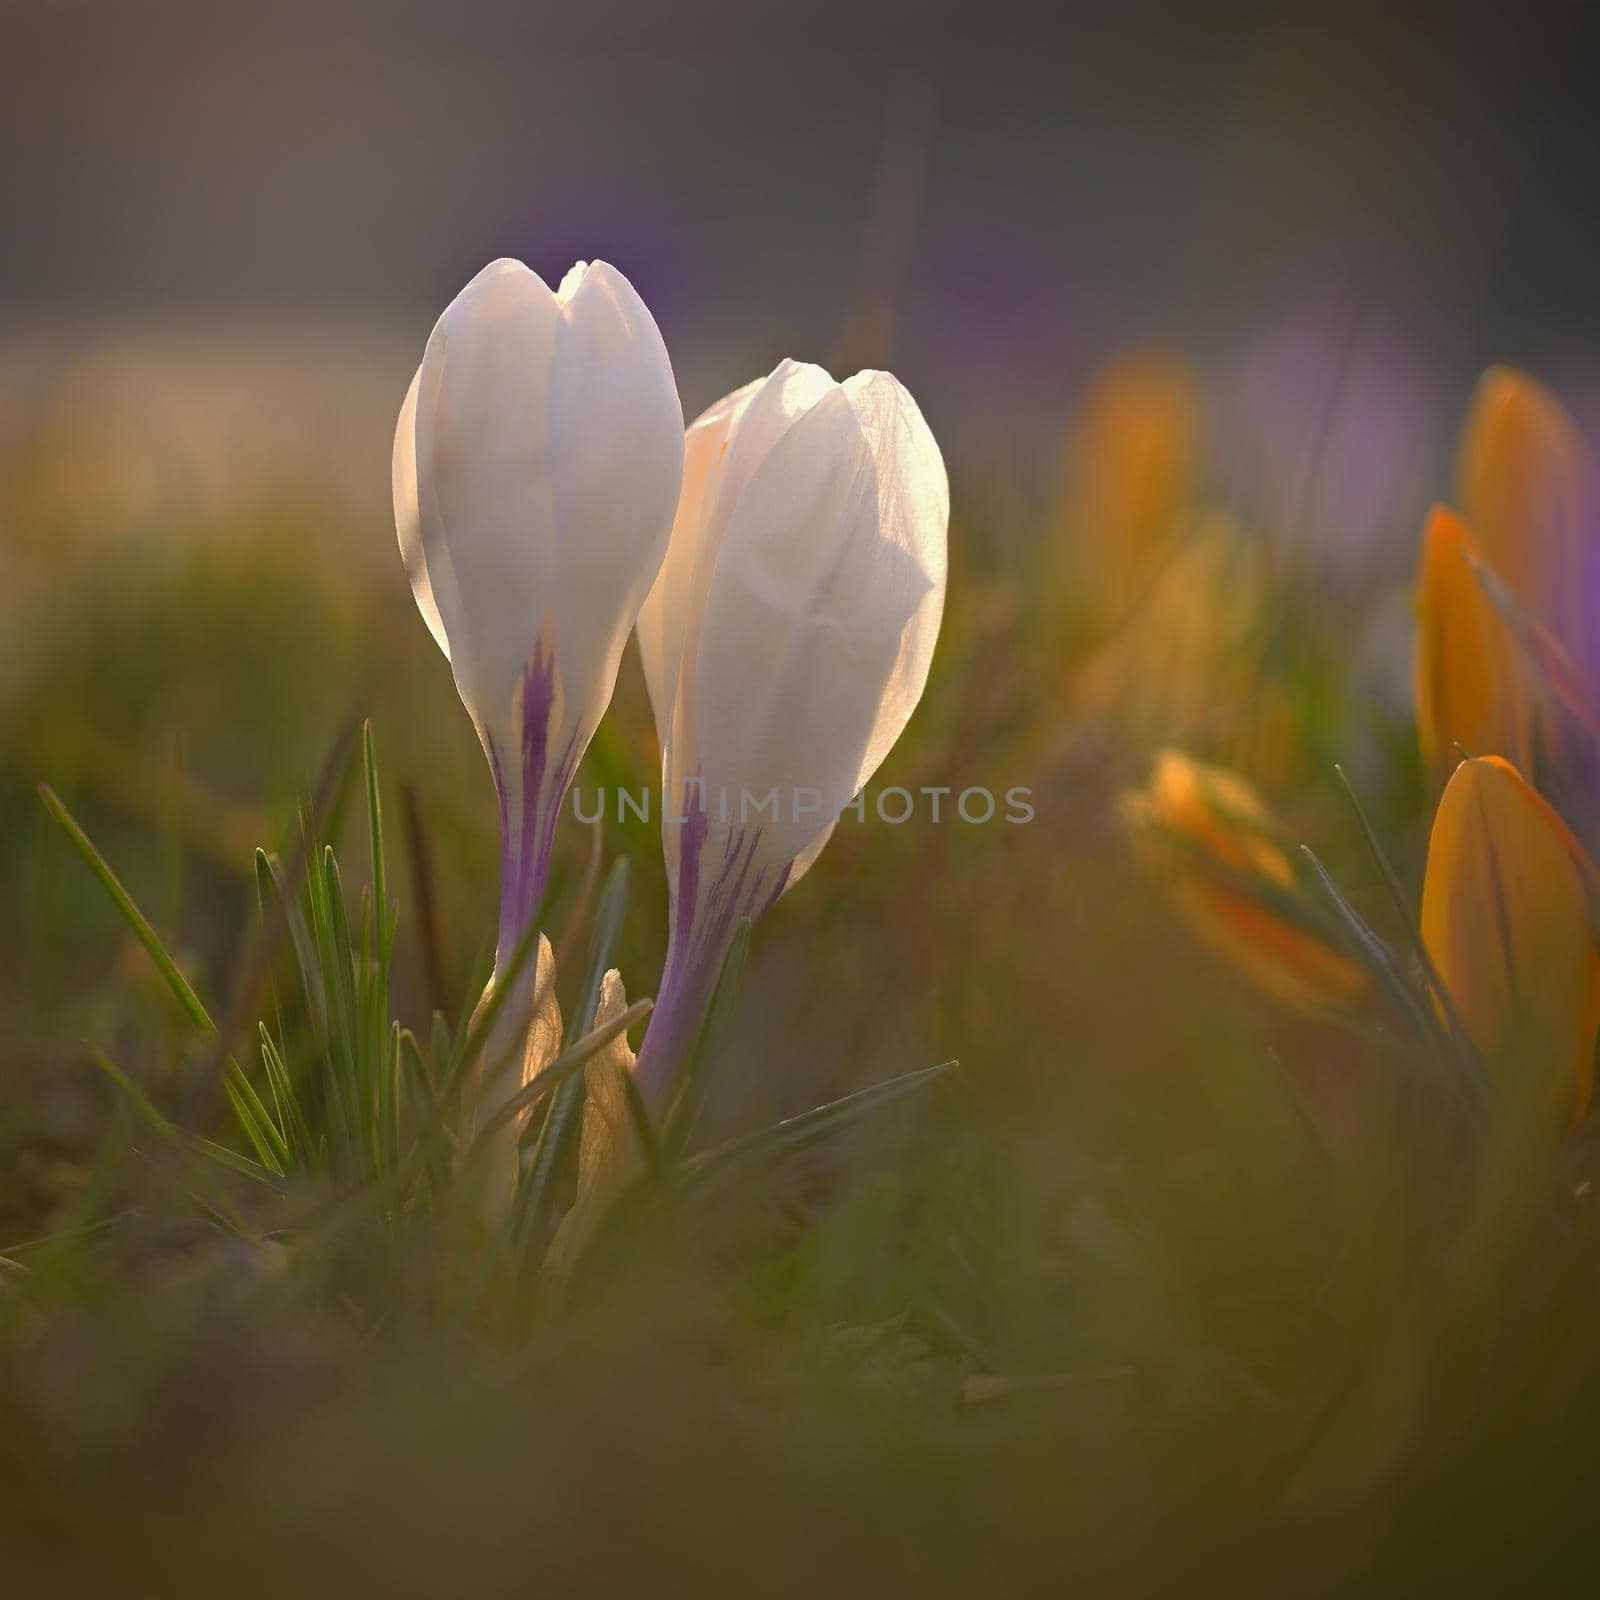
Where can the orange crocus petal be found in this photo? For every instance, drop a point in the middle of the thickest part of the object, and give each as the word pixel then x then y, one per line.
pixel 1287 962
pixel 1524 477
pixel 1226 836
pixel 1217 810
pixel 1468 690
pixel 1506 920
pixel 1135 457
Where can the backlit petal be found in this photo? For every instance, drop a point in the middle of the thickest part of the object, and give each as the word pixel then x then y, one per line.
pixel 1220 853
pixel 1524 481
pixel 1132 470
pixel 1468 687
pixel 1506 920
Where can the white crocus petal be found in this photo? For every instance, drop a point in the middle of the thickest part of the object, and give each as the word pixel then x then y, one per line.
pixel 407 519
pixel 537 464
pixel 914 518
pixel 484 469
pixel 680 588
pixel 574 276
pixel 786 644
pixel 820 621
pixel 617 461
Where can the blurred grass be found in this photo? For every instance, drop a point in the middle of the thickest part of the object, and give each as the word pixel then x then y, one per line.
pixel 1166 1286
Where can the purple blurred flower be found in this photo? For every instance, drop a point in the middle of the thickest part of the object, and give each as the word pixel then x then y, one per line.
pixel 1327 439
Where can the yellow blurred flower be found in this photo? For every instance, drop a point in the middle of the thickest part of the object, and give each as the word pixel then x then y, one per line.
pixel 1168 602
pixel 1506 920
pixel 1183 663
pixel 1132 466
pixel 1524 482
pixel 1221 854
pixel 1468 689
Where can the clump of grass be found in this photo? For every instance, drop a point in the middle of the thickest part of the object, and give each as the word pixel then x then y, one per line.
pixel 343 1106
pixel 1217 1345
pixel 1166 1288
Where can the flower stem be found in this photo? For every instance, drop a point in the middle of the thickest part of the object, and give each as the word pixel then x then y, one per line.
pixel 687 984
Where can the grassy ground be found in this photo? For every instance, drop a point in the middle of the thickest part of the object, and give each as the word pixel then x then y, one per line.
pixel 1166 1284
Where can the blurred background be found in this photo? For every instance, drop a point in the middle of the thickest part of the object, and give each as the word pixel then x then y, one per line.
pixel 1254 255
pixel 228 231
pixel 247 217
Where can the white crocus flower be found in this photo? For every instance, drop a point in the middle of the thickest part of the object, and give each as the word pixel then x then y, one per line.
pixel 537 463
pixel 785 644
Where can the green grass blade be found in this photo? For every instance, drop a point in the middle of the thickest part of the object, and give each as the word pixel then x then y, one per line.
pixel 1379 960
pixel 413 1062
pixel 417 1075
pixel 342 976
pixel 380 892
pixel 332 933
pixel 440 1049
pixel 1466 1056
pixel 560 1071
pixel 478 976
pixel 243 1165
pixel 693 1081
pixel 1380 859
pixel 262 1132
pixel 705 1174
pixel 471 1040
pixel 551 1155
pixel 140 1101
pixel 270 880
pixel 608 917
pixel 217 1205
pixel 394 1089
pixel 655 1160
pixel 291 1114
pixel 124 902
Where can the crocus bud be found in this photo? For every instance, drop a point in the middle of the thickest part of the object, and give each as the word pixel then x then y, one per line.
pixel 607 1154
pixel 1506 922
pixel 1220 853
pixel 536 468
pixel 1524 479
pixel 785 645
pixel 537 462
pixel 519 1048
pixel 1468 687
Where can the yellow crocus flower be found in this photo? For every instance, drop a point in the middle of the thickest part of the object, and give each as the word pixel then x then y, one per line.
pixel 1468 690
pixel 1524 480
pixel 1221 855
pixel 1132 471
pixel 1506 921
pixel 1184 661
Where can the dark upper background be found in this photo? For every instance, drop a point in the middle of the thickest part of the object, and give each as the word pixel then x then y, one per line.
pixel 1026 186
pixel 225 231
